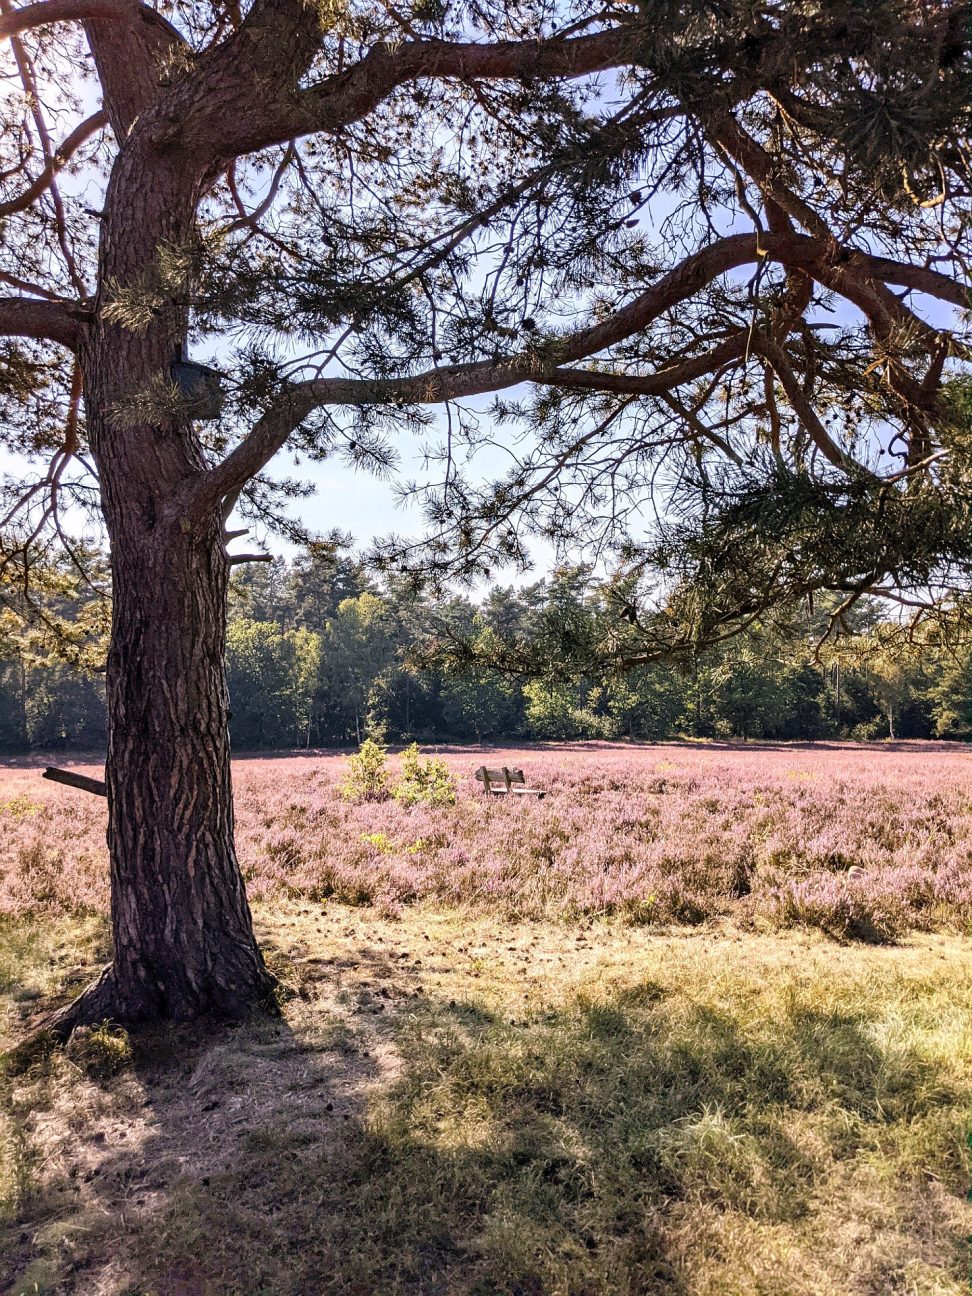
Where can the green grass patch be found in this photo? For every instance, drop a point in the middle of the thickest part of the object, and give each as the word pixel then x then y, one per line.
pixel 521 1111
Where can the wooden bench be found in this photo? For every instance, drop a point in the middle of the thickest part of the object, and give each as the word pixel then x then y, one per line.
pixel 506 782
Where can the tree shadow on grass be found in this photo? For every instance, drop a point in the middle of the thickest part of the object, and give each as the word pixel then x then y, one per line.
pixel 388 1140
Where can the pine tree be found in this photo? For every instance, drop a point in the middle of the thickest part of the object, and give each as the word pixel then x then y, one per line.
pixel 692 241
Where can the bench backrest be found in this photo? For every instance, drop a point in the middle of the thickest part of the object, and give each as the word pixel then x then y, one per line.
pixel 499 776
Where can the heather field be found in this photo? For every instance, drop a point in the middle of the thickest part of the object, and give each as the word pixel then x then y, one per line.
pixel 862 842
pixel 697 1024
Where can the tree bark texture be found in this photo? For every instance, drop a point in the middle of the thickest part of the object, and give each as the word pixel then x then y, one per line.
pixel 183 935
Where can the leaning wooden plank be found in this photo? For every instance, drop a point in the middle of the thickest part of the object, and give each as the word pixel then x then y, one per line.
pixel 80 781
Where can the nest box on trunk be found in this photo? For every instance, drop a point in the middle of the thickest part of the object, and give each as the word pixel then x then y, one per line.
pixel 200 387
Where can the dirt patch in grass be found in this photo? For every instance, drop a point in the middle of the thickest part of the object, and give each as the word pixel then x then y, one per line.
pixel 456 1105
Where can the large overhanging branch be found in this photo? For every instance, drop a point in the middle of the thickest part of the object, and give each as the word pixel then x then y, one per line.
pixel 857 276
pixel 552 364
pixel 322 107
pixel 46 12
pixel 212 111
pixel 237 123
pixel 46 321
pixel 435 386
pixel 462 381
pixel 662 380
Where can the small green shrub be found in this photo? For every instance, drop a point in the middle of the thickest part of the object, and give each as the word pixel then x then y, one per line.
pixel 367 776
pixel 426 781
pixel 21 807
pixel 379 840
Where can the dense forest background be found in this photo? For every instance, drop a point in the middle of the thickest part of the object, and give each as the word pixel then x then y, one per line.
pixel 319 653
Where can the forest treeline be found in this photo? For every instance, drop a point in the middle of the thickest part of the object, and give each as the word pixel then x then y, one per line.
pixel 319 653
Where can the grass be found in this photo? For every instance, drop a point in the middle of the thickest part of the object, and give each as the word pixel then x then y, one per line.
pixel 463 1106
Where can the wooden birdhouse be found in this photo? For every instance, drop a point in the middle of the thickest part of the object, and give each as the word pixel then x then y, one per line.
pixel 200 387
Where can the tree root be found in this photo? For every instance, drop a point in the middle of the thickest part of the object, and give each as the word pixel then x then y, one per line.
pixel 97 1003
pixel 101 1002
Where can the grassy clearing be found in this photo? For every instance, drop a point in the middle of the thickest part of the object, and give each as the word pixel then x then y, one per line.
pixel 454 1105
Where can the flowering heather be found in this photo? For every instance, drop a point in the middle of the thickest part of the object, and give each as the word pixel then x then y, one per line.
pixel 864 842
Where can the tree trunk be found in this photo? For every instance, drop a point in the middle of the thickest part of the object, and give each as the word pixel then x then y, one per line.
pixel 183 935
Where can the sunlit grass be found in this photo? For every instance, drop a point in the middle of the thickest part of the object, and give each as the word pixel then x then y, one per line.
pixel 462 1106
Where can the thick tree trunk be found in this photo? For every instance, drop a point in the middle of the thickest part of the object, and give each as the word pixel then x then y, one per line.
pixel 183 935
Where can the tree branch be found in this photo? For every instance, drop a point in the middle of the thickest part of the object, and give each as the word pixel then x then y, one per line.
pixel 453 382
pixel 54 11
pixel 129 57
pixel 435 386
pixel 60 158
pixel 45 320
pixel 246 123
pixel 776 357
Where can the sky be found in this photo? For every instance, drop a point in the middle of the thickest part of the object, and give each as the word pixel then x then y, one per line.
pixel 354 500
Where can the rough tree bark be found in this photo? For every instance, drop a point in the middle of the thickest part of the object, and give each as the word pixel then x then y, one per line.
pixel 183 936
pixel 182 931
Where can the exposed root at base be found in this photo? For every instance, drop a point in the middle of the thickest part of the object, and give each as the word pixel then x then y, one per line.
pixel 102 1001
pixel 98 1003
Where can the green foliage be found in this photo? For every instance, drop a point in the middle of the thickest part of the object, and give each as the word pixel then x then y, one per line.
pixel 53 641
pixel 381 842
pixel 559 709
pixel 480 703
pixel 271 675
pixel 367 776
pixel 424 781
pixel 951 697
pixel 309 664
pixel 646 702
pixel 358 645
pixel 775 543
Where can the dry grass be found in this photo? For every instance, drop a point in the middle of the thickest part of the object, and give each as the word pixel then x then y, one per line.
pixel 459 1106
